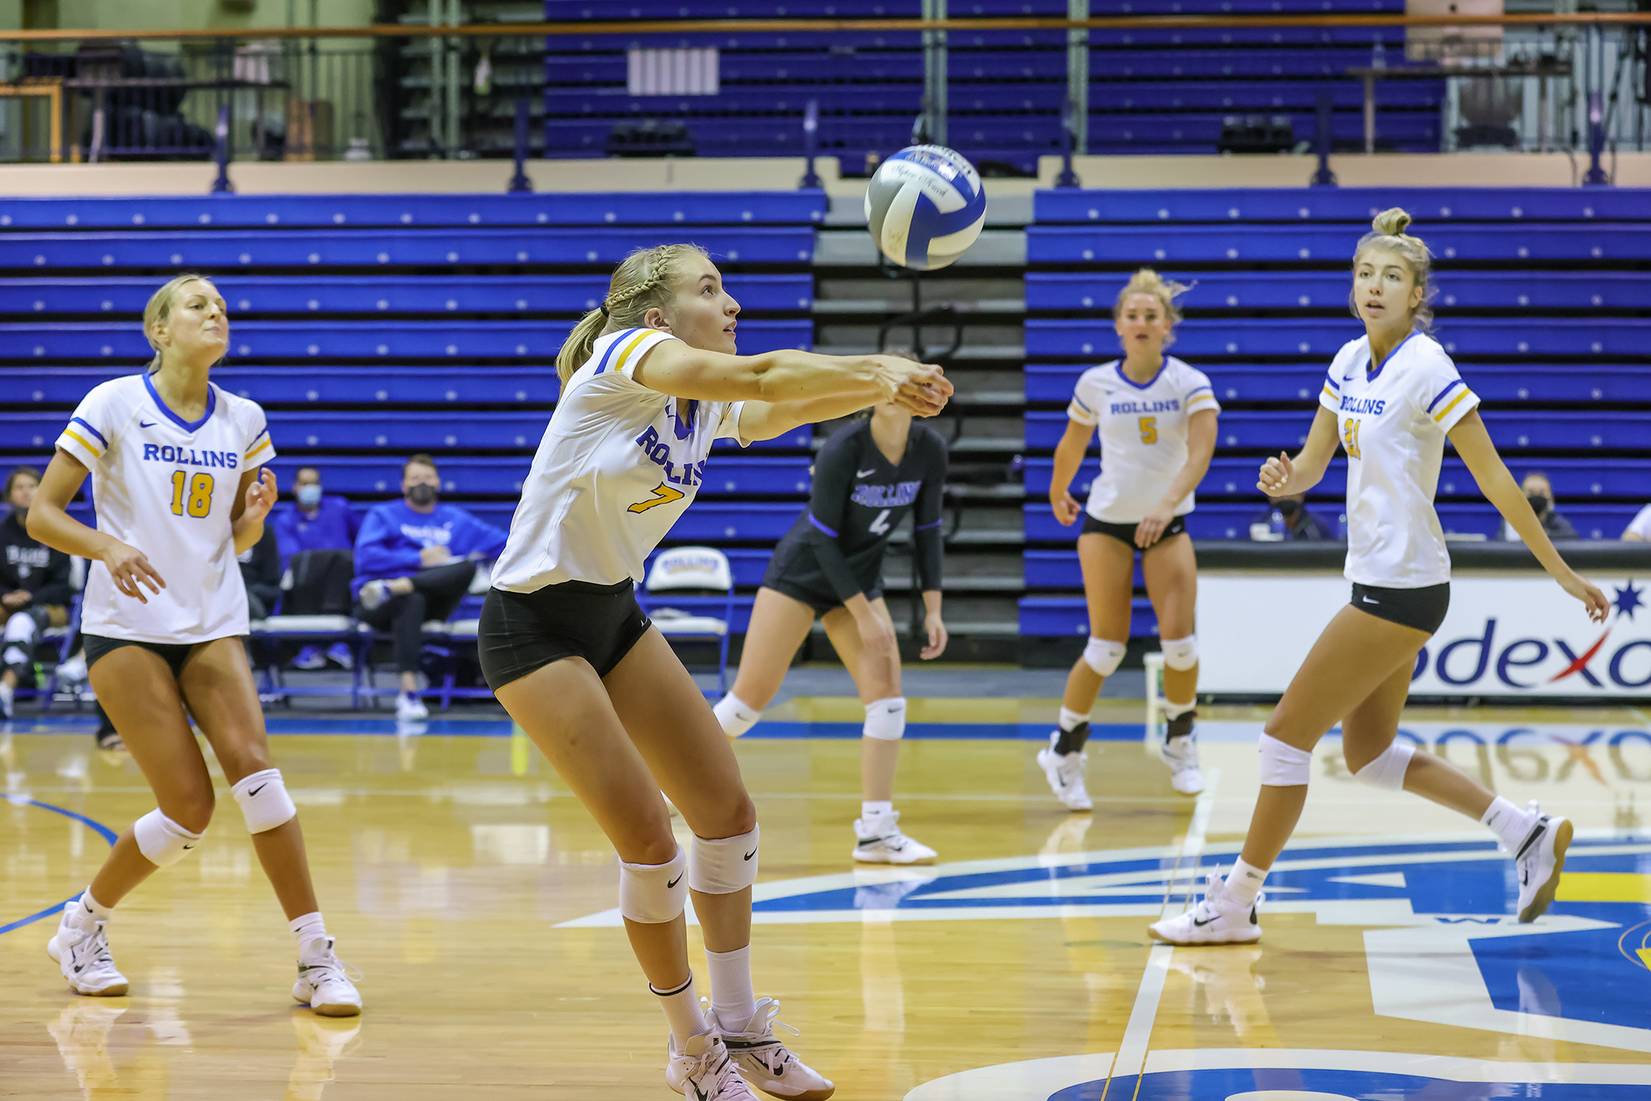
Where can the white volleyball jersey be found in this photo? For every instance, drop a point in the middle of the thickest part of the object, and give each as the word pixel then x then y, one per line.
pixel 1392 420
pixel 167 486
pixel 618 463
pixel 1143 432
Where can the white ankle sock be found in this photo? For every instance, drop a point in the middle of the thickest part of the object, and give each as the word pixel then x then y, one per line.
pixel 731 997
pixel 735 715
pixel 876 809
pixel 1070 719
pixel 93 907
pixel 308 927
pixel 682 1012
pixel 1509 823
pixel 1244 882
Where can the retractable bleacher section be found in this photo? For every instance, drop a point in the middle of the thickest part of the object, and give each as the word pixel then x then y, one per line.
pixel 371 327
pixel 1151 91
pixel 1541 301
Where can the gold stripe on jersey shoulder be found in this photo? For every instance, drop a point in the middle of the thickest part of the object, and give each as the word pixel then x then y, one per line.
pixel 1439 417
pixel 83 441
pixel 625 352
pixel 267 442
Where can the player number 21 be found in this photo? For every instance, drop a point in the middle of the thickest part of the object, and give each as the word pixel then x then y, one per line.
pixel 191 496
pixel 1149 429
pixel 1350 437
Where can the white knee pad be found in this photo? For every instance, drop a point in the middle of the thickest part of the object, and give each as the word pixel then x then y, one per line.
pixel 264 801
pixel 1179 653
pixel 1284 766
pixel 1103 655
pixel 721 866
pixel 1387 770
pixel 653 894
pixel 161 840
pixel 735 715
pixel 886 719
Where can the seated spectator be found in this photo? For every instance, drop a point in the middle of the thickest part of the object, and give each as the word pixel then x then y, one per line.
pixel 1540 493
pixel 1639 528
pixel 1292 522
pixel 317 534
pixel 414 561
pixel 261 571
pixel 34 588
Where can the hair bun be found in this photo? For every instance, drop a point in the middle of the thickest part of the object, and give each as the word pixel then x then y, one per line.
pixel 1391 222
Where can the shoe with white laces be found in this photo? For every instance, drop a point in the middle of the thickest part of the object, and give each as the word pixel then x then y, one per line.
pixel 1217 919
pixel 1064 771
pixel 768 1064
pixel 81 948
pixel 878 840
pixel 704 1071
pixel 8 695
pixel 410 709
pixel 322 982
pixel 1180 756
pixel 1540 861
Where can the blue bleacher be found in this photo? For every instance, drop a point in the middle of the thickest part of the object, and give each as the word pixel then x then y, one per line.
pixel 1352 205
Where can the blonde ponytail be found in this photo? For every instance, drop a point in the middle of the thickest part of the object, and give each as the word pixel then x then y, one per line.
pixel 1387 231
pixel 159 311
pixel 644 280
pixel 1166 291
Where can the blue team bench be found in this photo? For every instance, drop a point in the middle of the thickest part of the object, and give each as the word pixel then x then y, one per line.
pixel 1231 520
pixel 300 339
pixel 1179 244
pixel 1540 385
pixel 569 295
pixel 1514 431
pixel 220 251
pixel 1431 206
pixel 1322 338
pixel 1064 291
pixel 1234 478
pixel 762 208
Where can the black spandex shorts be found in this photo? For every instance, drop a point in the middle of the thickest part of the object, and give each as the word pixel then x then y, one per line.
pixel 795 572
pixel 173 653
pixel 523 632
pixel 1125 533
pixel 1423 609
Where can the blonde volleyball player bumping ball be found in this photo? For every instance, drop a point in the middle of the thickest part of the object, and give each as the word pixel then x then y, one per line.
pixel 1390 399
pixel 650 380
pixel 178 472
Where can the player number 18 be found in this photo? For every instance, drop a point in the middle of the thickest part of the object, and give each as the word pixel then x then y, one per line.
pixel 191 496
pixel 1350 437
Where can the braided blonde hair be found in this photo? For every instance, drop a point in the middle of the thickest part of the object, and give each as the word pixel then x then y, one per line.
pixel 1387 231
pixel 643 280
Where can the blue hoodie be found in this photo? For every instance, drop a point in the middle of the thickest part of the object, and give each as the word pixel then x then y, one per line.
pixel 333 527
pixel 392 536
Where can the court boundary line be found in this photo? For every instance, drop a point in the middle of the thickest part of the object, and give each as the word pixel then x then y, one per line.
pixel 96 827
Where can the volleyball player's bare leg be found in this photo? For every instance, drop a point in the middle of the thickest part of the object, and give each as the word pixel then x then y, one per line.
pixel 218 688
pixel 878 837
pixel 688 755
pixel 1108 588
pixel 779 625
pixel 1170 569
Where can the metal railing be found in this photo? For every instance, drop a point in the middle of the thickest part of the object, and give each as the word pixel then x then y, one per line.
pixel 1576 82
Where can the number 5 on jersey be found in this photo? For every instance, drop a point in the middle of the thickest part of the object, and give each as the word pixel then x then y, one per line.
pixel 191 496
pixel 1350 438
pixel 1149 429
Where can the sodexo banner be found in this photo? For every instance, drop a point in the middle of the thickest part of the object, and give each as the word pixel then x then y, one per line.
pixel 1506 635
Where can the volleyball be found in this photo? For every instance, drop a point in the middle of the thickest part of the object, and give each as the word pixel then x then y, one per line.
pixel 925 207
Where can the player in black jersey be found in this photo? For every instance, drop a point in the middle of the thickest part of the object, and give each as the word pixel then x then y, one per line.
pixel 867 477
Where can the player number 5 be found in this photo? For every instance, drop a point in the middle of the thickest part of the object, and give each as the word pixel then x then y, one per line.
pixel 1149 429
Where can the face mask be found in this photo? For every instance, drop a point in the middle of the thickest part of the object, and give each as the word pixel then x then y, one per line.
pixel 422 495
pixel 1288 506
pixel 308 495
pixel 1539 503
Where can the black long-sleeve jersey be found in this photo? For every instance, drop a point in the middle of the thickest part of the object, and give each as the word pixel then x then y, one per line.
pixel 26 563
pixel 857 501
